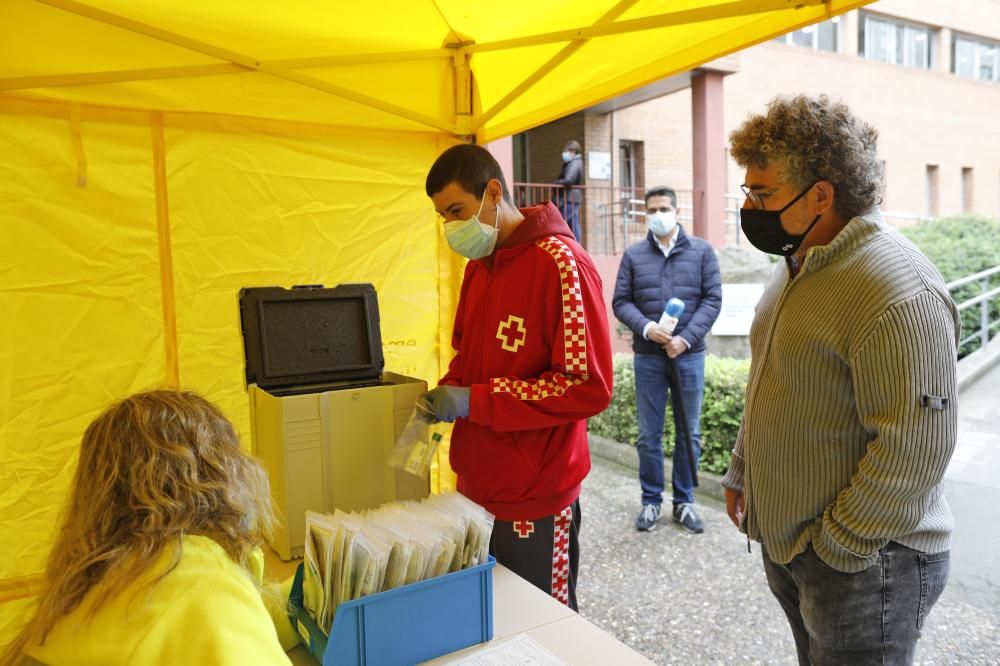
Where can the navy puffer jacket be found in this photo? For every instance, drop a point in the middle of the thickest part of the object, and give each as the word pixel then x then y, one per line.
pixel 647 279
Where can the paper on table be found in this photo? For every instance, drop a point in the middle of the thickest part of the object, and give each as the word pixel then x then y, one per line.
pixel 519 650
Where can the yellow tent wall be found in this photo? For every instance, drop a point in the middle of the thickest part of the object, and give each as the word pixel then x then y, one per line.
pixel 91 281
pixel 155 157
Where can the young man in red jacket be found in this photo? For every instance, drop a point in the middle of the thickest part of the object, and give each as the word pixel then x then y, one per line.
pixel 532 363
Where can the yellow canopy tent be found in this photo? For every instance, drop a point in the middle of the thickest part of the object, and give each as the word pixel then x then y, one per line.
pixel 157 156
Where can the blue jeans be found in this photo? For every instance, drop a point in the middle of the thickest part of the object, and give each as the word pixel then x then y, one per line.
pixel 571 213
pixel 651 390
pixel 871 617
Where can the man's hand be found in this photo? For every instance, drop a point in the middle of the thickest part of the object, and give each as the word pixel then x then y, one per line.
pixel 448 402
pixel 657 335
pixel 675 346
pixel 734 506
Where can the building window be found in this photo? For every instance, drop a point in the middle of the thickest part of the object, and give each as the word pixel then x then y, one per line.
pixel 821 36
pixel 975 58
pixel 521 158
pixel 967 194
pixel 895 42
pixel 931 204
pixel 630 154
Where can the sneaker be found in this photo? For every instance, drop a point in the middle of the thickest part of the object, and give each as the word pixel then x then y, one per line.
pixel 647 517
pixel 685 515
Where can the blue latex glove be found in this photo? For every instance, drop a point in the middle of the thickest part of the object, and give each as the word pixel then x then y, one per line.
pixel 449 402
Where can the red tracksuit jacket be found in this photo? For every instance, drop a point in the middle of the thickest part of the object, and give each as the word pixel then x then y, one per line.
pixel 532 340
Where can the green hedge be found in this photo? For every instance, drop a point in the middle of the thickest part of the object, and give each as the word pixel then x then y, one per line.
pixel 961 246
pixel 958 246
pixel 725 385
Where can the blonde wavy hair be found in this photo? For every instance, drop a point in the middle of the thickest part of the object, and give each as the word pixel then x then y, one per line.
pixel 153 468
pixel 814 139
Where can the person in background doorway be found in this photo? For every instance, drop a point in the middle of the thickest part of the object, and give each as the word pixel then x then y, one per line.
pixel 668 263
pixel 532 363
pixel 851 414
pixel 570 175
pixel 158 560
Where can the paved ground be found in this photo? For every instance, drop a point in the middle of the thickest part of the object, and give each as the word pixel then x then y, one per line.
pixel 972 486
pixel 701 599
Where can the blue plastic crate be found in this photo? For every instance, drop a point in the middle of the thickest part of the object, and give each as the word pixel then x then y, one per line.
pixel 404 626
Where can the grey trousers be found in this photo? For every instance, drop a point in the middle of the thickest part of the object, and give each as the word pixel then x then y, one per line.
pixel 871 617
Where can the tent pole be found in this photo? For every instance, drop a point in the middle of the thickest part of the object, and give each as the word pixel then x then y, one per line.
pixel 76 137
pixel 92 78
pixel 20 587
pixel 553 62
pixel 669 19
pixel 152 73
pixel 246 61
pixel 168 296
pixel 463 94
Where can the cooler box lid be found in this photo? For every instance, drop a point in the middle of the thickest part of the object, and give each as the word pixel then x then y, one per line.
pixel 310 335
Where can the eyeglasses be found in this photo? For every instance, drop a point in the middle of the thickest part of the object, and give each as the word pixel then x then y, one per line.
pixel 755 198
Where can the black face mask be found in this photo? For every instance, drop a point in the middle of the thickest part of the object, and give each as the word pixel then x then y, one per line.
pixel 763 228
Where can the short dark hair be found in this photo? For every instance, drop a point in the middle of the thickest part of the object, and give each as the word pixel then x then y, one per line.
pixel 469 165
pixel 573 145
pixel 662 192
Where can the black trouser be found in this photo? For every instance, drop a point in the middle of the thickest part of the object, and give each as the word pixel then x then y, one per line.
pixel 545 552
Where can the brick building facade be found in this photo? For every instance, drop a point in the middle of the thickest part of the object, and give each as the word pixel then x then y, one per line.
pixel 925 73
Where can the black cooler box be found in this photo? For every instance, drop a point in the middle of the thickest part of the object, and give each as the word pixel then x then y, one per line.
pixel 311 336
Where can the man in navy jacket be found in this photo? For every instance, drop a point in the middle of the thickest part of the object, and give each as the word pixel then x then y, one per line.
pixel 667 264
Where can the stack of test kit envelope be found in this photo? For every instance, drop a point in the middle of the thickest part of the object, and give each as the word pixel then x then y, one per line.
pixel 403 583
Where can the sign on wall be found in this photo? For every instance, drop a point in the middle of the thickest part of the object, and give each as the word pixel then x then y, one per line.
pixel 598 165
pixel 738 303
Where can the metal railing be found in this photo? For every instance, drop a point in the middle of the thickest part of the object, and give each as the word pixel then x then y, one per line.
pixel 526 194
pixel 903 219
pixel 733 204
pixel 605 211
pixel 983 299
pixel 612 218
pixel 623 222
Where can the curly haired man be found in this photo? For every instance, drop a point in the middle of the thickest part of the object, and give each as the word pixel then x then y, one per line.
pixel 850 416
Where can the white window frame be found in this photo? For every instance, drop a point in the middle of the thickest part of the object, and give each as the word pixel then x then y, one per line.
pixel 813 31
pixel 968 190
pixel 899 28
pixel 975 41
pixel 627 149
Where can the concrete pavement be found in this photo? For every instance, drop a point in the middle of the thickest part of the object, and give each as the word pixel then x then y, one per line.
pixel 972 486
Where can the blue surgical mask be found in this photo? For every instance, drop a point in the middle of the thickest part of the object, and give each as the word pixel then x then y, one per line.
pixel 662 223
pixel 471 238
pixel 566 155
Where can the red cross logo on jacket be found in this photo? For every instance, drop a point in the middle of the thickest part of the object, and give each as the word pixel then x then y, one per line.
pixel 524 528
pixel 513 337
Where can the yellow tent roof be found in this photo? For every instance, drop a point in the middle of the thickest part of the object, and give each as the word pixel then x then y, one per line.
pixel 462 68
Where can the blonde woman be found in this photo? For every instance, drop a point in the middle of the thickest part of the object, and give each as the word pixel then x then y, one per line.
pixel 158 559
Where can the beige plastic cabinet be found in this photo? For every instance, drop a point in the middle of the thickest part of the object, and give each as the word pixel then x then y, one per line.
pixel 329 450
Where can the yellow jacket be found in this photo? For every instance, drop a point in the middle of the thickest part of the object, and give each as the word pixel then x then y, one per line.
pixel 206 611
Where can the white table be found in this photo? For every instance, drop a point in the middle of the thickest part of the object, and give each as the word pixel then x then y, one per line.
pixel 521 608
